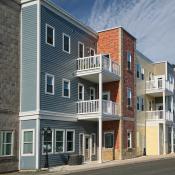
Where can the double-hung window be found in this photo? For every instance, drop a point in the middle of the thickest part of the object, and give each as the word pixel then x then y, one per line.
pixel 80 50
pixel 108 139
pixel 49 84
pixel 70 140
pixel 80 91
pixel 129 60
pixel 59 140
pixel 129 97
pixel 92 93
pixel 28 142
pixel 66 88
pixel 138 70
pixel 129 139
pixel 47 142
pixel 50 35
pixel 66 43
pixel 6 143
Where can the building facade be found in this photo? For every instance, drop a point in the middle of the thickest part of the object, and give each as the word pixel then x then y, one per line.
pixel 155 106
pixel 9 84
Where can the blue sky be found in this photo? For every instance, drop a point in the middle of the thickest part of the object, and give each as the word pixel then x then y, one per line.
pixel 152 22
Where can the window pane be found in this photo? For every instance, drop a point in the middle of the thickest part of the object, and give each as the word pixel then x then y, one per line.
pixel 49 35
pixel 66 43
pixel 59 135
pixel 80 50
pixel 8 138
pixel 69 146
pixel 28 147
pixel 50 88
pixel 49 80
pixel 66 88
pixel 109 140
pixel 70 136
pixel 6 149
pixel 59 146
pixel 28 136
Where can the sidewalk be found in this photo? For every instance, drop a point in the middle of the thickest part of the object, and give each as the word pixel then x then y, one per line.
pixel 95 165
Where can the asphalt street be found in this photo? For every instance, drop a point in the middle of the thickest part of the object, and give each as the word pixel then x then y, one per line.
pixel 159 167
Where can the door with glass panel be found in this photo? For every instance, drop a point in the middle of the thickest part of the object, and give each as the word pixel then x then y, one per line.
pixel 106 102
pixel 87 148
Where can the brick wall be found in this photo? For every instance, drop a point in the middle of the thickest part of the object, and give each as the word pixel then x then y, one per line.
pixel 9 77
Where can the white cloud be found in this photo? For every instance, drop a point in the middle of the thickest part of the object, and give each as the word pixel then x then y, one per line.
pixel 152 22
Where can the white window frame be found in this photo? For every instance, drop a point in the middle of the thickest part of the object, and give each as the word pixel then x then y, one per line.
pixel 92 88
pixel 65 80
pixel 63 140
pixel 93 50
pixel 129 139
pixel 108 132
pixel 50 75
pixel 47 25
pixel 12 143
pixel 129 89
pixel 22 146
pixel 80 84
pixel 43 143
pixel 80 144
pixel 93 151
pixel 69 43
pixel 70 130
pixel 129 60
pixel 79 49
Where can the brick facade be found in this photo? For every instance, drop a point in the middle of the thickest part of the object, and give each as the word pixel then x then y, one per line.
pixel 117 42
pixel 9 77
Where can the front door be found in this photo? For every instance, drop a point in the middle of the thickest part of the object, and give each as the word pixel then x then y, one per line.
pixel 106 103
pixel 87 148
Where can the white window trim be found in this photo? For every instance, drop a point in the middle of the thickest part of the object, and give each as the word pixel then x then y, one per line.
pixel 22 146
pixel 129 89
pixel 93 151
pixel 93 50
pixel 80 84
pixel 83 144
pixel 79 48
pixel 63 43
pixel 108 132
pixel 129 131
pixel 70 130
pixel 92 88
pixel 47 25
pixel 47 74
pixel 43 143
pixel 12 143
pixel 65 80
pixel 63 140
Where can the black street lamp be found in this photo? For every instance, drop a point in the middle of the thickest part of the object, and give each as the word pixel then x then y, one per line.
pixel 45 133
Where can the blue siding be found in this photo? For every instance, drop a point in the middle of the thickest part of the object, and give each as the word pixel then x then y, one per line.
pixel 28 162
pixel 61 64
pixel 29 58
pixel 79 127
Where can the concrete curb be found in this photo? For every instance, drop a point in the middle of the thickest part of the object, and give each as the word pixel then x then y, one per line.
pixel 116 163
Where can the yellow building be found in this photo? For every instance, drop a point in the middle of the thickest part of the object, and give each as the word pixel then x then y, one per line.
pixel 155 106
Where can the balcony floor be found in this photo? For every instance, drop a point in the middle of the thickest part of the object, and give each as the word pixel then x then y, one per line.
pixel 93 76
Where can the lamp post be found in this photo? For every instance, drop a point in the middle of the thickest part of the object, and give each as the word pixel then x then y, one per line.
pixel 45 133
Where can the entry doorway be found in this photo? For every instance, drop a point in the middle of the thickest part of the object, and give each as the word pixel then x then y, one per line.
pixel 87 155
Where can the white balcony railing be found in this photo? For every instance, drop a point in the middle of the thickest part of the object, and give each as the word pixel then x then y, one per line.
pixel 159 114
pixel 159 84
pixel 98 62
pixel 92 106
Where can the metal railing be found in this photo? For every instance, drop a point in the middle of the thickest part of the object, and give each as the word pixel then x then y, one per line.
pixel 98 62
pixel 92 106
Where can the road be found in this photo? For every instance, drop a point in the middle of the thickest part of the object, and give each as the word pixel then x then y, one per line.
pixel 159 167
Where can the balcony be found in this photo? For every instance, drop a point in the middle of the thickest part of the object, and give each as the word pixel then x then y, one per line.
pixel 89 68
pixel 90 109
pixel 158 85
pixel 159 115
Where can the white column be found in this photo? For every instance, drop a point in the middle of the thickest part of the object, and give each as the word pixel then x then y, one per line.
pixel 172 139
pixel 164 124
pixel 100 117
